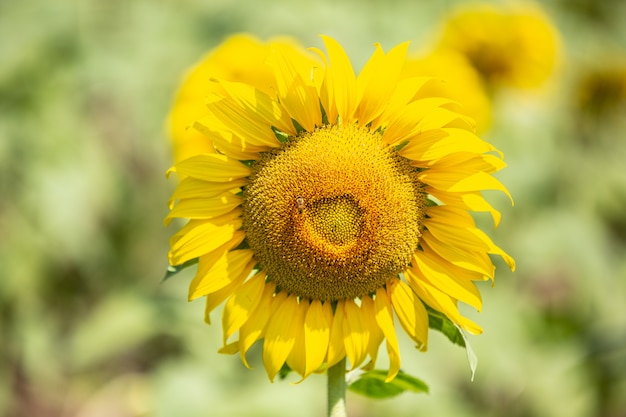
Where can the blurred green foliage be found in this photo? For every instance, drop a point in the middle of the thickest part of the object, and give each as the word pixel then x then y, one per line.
pixel 86 326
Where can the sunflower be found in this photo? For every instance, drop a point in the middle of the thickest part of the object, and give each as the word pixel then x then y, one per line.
pixel 510 45
pixel 322 207
pixel 601 89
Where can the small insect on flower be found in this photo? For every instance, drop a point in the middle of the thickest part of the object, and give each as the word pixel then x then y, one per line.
pixel 300 203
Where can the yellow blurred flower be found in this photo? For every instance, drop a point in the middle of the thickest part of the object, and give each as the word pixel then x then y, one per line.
pixel 599 99
pixel 515 45
pixel 454 77
pixel 601 88
pixel 331 206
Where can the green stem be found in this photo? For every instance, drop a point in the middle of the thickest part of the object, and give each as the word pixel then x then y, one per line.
pixel 337 389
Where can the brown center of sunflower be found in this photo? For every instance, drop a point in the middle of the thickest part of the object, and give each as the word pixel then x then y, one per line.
pixel 334 213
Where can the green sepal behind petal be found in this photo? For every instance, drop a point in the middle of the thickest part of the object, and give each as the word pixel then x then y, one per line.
pixel 175 269
pixel 284 371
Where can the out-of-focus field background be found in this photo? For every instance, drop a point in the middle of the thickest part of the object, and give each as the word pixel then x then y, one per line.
pixel 87 329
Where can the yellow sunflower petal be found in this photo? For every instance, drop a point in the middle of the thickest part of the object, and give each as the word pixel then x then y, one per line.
pixel 296 91
pixel 226 142
pixel 218 297
pixel 439 301
pixel 253 101
pixel 456 227
pixel 370 71
pixel 410 311
pixel 280 336
pixel 376 334
pixel 444 117
pixel 229 349
pixel 467 163
pixel 433 145
pixel 298 356
pixel 199 237
pixel 384 318
pixel 228 268
pixel 404 93
pixel 324 86
pixel 212 168
pixel 377 81
pixel 204 208
pixel 408 121
pixel 207 260
pixel 451 181
pixel 473 201
pixel 343 80
pixel 256 128
pixel 471 260
pixel 195 188
pixel 241 304
pixel 452 280
pixel 254 328
pixel 316 334
pixel 336 347
pixel 355 334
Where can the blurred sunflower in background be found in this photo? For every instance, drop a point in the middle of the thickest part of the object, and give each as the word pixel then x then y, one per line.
pixel 509 45
pixel 601 88
pixel 598 101
pixel 322 204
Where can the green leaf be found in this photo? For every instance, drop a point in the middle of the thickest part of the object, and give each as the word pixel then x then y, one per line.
pixel 471 356
pixel 438 321
pixel 372 384
pixel 173 270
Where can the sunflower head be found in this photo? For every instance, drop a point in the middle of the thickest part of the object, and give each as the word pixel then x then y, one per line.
pixel 321 205
pixel 601 89
pixel 514 46
pixel 333 213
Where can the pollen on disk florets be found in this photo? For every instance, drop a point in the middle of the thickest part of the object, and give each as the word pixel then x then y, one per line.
pixel 334 213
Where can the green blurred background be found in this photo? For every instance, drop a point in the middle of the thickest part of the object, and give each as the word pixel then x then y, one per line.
pixel 87 329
